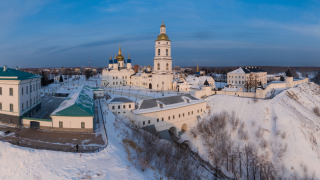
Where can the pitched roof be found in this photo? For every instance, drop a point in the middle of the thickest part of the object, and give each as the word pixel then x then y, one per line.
pixel 151 103
pixel 247 69
pixel 79 103
pixel 12 74
pixel 120 100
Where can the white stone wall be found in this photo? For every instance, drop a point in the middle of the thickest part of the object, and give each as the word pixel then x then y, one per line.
pixel 123 109
pixel 72 122
pixel 170 117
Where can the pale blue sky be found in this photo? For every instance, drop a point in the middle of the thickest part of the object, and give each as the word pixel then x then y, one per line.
pixel 37 33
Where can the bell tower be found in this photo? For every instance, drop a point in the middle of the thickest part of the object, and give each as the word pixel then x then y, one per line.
pixel 162 58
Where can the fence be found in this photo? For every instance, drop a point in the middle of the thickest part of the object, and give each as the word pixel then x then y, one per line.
pixel 74 150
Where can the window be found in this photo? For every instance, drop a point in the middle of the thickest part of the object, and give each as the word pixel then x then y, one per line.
pixel 119 107
pixel 60 124
pixel 183 114
pixel 11 91
pixel 10 121
pixel 33 88
pixel 11 107
pixel 168 117
pixel 0 119
pixel 124 106
pixel 112 107
pixel 167 52
pixel 179 115
pixel 83 125
pixel 0 106
pixel 157 119
pixel 198 110
pixel 22 106
pixel 27 104
pixel 191 112
pixel 167 66
pixel 129 105
pixel 36 86
pixel 162 119
pixel 30 102
pixel 0 90
pixel 158 52
pixel 158 66
pixel 188 113
pixel 34 100
pixel 30 88
pixel 27 89
pixel 201 110
pixel 144 123
pixel 173 117
pixel 148 121
pixel 21 91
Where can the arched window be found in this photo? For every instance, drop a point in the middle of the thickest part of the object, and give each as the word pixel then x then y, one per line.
pixel 158 52
pixel 167 66
pixel 166 52
pixel 158 66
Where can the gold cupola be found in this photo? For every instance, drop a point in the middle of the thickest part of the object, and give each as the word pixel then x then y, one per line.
pixel 163 36
pixel 120 56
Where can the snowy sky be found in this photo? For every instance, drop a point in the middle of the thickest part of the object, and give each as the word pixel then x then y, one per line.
pixel 37 33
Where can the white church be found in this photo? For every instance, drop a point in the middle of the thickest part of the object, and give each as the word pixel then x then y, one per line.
pixel 120 73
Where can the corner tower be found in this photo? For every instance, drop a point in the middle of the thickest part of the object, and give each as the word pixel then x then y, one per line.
pixel 162 58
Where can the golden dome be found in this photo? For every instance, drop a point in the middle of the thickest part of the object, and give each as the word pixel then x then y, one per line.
pixel 163 37
pixel 120 56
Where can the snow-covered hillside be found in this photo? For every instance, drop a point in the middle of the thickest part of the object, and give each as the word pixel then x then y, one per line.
pixel 285 124
pixel 111 163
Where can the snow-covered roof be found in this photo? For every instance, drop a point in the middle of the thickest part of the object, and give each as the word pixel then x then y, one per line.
pixel 80 102
pixel 153 105
pixel 194 80
pixel 120 100
pixel 237 71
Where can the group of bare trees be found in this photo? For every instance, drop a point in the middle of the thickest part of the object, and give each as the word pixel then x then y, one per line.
pixel 244 162
pixel 252 82
pixel 146 151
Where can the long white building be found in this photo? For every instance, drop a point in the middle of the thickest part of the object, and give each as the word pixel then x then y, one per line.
pixel 20 95
pixel 120 72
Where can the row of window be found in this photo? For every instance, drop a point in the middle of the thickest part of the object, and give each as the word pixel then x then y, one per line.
pixel 35 87
pixel 116 77
pixel 167 66
pixel 167 52
pixel 11 107
pixel 116 83
pixel 35 99
pixel 83 125
pixel 123 107
pixel 173 117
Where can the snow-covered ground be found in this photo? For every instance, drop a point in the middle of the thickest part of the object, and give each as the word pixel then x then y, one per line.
pixel 110 163
pixel 287 123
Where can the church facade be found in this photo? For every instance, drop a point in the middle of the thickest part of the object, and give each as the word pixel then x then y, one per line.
pixel 120 72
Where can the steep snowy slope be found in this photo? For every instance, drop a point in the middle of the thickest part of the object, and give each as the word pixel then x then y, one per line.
pixel 285 127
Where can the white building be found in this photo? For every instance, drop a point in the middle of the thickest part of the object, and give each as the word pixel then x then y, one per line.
pixel 76 113
pixel 239 76
pixel 120 73
pixel 19 95
pixel 175 113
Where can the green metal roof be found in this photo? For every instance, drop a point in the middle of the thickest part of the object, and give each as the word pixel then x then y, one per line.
pixel 77 104
pixel 74 110
pixel 12 74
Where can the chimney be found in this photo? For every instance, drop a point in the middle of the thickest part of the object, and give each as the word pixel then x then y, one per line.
pixel 5 68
